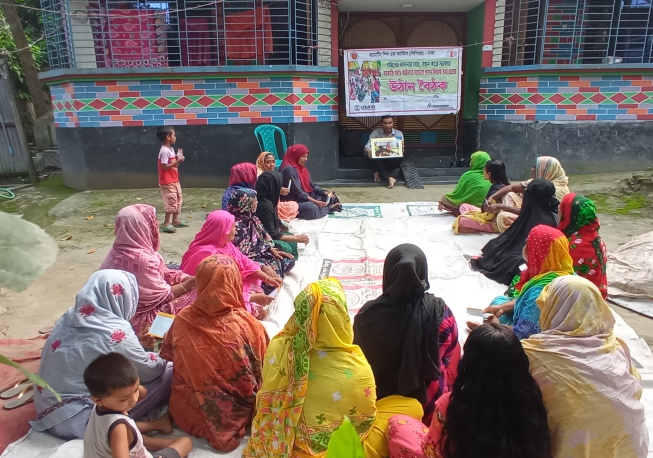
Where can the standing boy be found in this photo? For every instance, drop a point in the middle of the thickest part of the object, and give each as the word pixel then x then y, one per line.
pixel 111 432
pixel 169 178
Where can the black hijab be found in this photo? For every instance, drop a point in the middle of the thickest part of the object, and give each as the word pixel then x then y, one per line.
pixel 398 332
pixel 268 189
pixel 503 255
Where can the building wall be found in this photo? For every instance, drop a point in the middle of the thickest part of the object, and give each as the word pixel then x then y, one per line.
pixel 195 101
pixel 567 98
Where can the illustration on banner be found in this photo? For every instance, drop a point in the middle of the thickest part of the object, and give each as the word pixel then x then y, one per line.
pixel 403 81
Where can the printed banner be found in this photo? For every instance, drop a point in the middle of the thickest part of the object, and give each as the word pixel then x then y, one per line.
pixel 358 211
pixel 361 279
pixel 402 81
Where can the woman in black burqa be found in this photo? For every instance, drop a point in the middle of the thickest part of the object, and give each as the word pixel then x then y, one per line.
pixel 409 336
pixel 502 256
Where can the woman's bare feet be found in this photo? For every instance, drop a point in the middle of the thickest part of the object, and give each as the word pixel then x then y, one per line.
pixel 471 325
pixel 391 183
pixel 376 177
pixel 163 424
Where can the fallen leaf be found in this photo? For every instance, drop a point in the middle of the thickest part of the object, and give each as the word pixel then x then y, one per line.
pixel 203 205
pixel 90 217
pixel 190 216
pixel 139 198
pixel 109 225
pixel 67 237
pixel 91 251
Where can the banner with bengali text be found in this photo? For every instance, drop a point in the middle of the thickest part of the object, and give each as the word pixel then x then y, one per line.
pixel 402 81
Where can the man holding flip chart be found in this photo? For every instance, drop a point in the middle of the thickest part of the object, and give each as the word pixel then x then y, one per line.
pixel 386 169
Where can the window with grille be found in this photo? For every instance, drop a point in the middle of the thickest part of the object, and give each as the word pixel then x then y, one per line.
pixel 560 32
pixel 188 33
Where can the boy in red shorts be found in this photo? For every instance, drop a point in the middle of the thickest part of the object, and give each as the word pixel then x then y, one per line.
pixel 169 178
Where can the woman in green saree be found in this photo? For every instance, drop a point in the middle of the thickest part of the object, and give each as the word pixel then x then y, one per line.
pixel 472 186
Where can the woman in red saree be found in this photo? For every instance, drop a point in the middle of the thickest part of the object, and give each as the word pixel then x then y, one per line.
pixel 217 350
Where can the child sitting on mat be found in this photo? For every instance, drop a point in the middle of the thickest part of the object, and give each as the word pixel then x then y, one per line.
pixel 111 432
pixel 169 178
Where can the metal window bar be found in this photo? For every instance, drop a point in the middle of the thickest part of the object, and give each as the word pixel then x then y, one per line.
pixel 189 33
pixel 559 32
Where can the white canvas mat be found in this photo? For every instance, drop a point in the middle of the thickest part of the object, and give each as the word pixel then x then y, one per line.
pixel 335 242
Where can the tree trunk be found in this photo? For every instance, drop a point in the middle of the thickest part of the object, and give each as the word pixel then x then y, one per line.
pixel 41 107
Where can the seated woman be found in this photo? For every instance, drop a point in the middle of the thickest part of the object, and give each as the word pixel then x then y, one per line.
pixel 509 199
pixel 494 410
pixel 251 238
pixel 591 390
pixel 547 256
pixel 314 202
pixel 474 219
pixel 267 189
pixel 420 361
pixel 502 256
pixel 96 325
pixel 472 186
pixel 578 221
pixel 160 289
pixel 286 210
pixel 215 237
pixel 217 349
pixel 242 176
pixel 313 375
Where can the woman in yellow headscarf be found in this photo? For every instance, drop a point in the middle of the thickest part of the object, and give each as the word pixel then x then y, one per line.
pixel 313 376
pixel 589 387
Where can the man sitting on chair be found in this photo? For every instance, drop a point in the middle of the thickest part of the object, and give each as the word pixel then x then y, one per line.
pixel 385 169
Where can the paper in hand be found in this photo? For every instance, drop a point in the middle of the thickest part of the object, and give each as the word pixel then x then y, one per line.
pixel 161 324
pixel 289 183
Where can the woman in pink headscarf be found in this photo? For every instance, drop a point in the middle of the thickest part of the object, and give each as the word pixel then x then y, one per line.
pixel 215 237
pixel 160 289
pixel 314 202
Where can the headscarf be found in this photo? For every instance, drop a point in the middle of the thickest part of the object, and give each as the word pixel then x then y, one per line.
pixel 242 175
pixel 580 224
pixel 590 389
pixel 549 168
pixel 313 376
pixel 291 159
pixel 406 364
pixel 251 238
pixel 502 256
pixel 548 258
pixel 212 239
pixel 96 325
pixel 472 186
pixel 217 349
pixel 135 251
pixel 260 162
pixel 268 189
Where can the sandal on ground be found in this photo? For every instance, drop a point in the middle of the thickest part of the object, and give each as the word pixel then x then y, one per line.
pixel 170 229
pixel 16 389
pixel 181 224
pixel 26 396
pixel 46 330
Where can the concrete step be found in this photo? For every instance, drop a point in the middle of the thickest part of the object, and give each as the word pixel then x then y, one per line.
pixel 362 162
pixel 357 182
pixel 366 173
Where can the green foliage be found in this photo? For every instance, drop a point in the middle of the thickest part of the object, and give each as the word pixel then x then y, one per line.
pixel 33 26
pixel 345 442
pixel 35 379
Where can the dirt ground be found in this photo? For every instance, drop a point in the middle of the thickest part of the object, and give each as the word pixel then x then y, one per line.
pixel 84 241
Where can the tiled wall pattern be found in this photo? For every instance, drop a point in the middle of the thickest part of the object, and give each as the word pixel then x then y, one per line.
pixel 567 98
pixel 563 23
pixel 290 99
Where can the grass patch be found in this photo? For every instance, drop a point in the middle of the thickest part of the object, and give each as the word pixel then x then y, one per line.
pixel 620 203
pixel 36 201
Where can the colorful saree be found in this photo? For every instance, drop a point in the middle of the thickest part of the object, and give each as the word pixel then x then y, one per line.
pixel 590 389
pixel 472 186
pixel 217 350
pixel 578 221
pixel 251 237
pixel 242 176
pixel 312 377
pixel 549 168
pixel 135 251
pixel 548 258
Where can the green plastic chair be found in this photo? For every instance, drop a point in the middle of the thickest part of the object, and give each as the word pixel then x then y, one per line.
pixel 265 136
